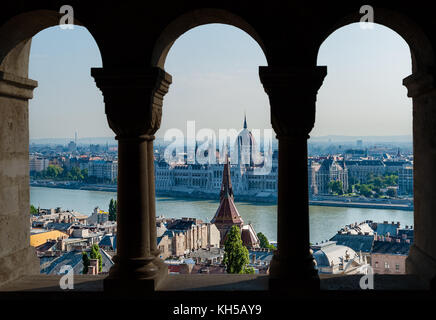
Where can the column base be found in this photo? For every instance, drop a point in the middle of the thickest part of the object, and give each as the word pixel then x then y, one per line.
pixel 132 286
pixel 17 264
pixel 124 279
pixel 421 264
pixel 289 275
pixel 296 284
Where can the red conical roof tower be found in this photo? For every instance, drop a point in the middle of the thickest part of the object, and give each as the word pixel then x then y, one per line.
pixel 227 215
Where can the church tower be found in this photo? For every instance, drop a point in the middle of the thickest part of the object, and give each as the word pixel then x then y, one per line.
pixel 227 215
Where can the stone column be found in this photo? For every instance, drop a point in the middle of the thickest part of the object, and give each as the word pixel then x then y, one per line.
pixel 422 256
pixel 133 104
pixel 292 95
pixel 17 257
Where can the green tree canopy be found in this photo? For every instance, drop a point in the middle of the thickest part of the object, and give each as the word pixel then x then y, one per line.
pixel 85 261
pixel 95 254
pixel 336 187
pixel 53 171
pixel 391 193
pixel 113 210
pixel 264 243
pixel 236 255
pixel 33 210
pixel 365 190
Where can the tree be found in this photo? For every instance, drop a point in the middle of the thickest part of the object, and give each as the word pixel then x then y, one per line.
pixel 53 171
pixel 249 270
pixel 365 190
pixel 113 210
pixel 336 187
pixel 85 174
pixel 264 243
pixel 391 180
pixel 350 188
pixel 33 210
pixel 95 254
pixel 391 193
pixel 76 174
pixel 85 261
pixel 236 255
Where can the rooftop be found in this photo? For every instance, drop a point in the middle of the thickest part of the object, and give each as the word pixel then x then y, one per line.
pixel 391 247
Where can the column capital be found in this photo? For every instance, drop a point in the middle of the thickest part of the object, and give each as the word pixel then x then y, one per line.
pixel 420 83
pixel 133 99
pixel 292 93
pixel 15 86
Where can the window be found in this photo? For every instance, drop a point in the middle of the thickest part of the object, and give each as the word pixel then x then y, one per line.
pixel 397 267
pixel 386 265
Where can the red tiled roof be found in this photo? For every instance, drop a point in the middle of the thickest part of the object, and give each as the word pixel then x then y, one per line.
pixel 227 213
pixel 249 238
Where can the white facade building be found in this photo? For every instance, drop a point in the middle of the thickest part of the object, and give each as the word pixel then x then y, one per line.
pixel 252 174
pixel 37 163
pixel 103 169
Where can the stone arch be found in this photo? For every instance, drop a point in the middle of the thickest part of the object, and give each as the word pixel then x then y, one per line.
pixel 16 35
pixel 193 19
pixel 15 92
pixel 421 50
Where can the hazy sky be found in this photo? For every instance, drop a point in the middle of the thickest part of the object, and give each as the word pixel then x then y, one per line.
pixel 215 80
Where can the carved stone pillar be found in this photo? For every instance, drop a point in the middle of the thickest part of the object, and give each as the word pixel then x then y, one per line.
pixel 422 256
pixel 17 257
pixel 133 104
pixel 292 95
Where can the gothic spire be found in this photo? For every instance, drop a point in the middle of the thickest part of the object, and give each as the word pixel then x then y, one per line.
pixel 226 184
pixel 245 121
pixel 226 215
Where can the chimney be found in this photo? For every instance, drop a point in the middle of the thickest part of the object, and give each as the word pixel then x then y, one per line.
pixel 93 266
pixel 92 270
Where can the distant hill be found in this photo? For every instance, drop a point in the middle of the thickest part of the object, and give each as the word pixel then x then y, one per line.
pixel 365 139
pixel 160 141
pixel 65 141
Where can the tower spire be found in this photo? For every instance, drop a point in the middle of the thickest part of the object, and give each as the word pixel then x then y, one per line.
pixel 226 215
pixel 245 121
pixel 226 185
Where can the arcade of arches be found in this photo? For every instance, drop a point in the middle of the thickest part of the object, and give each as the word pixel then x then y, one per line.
pixel 134 43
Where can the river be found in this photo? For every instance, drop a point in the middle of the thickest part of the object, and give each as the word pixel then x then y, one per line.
pixel 324 221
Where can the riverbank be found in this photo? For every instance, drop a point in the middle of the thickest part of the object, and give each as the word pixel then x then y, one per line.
pixel 267 198
pixel 74 185
pixel 324 221
pixel 366 205
pixel 193 195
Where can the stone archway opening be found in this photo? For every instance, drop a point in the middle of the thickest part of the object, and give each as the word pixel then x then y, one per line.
pixel 16 90
pixel 193 19
pixel 214 65
pixel 419 60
